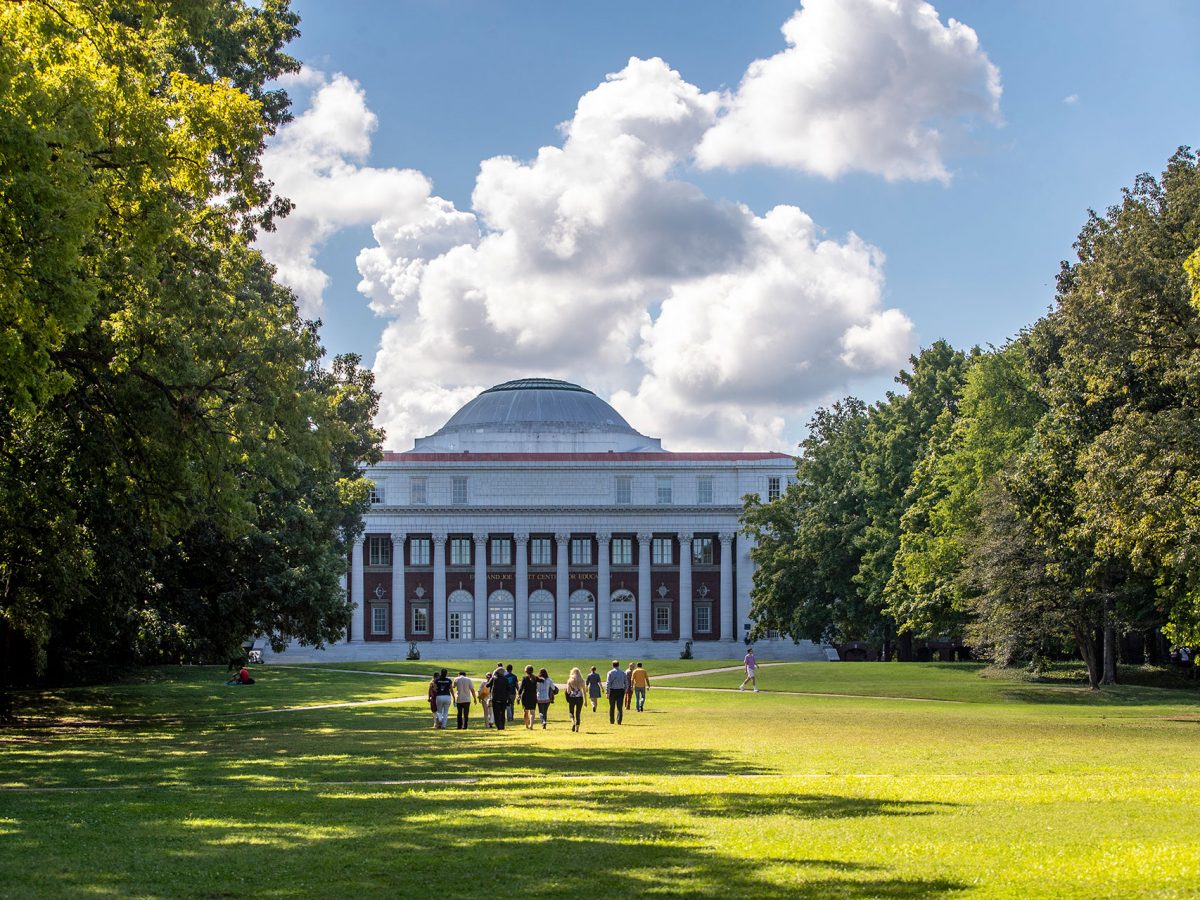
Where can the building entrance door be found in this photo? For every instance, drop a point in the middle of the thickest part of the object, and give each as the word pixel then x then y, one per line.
pixel 500 624
pixel 583 624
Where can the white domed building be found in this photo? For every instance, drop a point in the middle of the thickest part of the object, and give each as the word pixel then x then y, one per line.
pixel 538 523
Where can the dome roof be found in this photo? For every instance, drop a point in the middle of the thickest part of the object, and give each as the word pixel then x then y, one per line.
pixel 536 414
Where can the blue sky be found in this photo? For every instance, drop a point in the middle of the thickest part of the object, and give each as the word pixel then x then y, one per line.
pixel 1092 94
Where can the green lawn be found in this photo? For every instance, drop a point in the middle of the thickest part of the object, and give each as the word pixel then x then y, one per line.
pixel 974 786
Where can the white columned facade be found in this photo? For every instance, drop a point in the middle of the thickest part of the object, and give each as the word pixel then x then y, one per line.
pixel 521 592
pixel 685 586
pixel 603 587
pixel 398 620
pixel 439 586
pixel 357 626
pixel 727 586
pixel 744 583
pixel 562 614
pixel 643 599
pixel 481 622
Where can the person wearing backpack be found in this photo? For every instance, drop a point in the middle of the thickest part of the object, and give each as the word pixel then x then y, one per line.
pixel 528 692
pixel 501 697
pixel 546 689
pixel 512 689
pixel 575 687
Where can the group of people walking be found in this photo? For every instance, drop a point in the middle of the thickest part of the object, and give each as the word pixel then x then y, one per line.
pixel 501 690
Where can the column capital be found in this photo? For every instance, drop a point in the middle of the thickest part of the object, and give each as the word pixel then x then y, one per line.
pixel 562 537
pixel 521 537
pixel 727 537
pixel 439 537
pixel 398 537
pixel 644 537
pixel 360 540
pixel 480 537
pixel 684 536
pixel 604 536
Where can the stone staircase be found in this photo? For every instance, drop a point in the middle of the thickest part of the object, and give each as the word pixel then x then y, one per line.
pixel 513 651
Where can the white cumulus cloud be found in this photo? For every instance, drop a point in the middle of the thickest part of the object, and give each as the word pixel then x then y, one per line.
pixel 864 85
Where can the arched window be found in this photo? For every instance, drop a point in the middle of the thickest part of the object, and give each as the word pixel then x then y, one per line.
pixel 501 615
pixel 583 616
pixel 541 615
pixel 624 616
pixel 460 618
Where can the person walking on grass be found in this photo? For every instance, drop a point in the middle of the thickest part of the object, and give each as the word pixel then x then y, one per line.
pixel 629 685
pixel 464 696
pixel 432 692
pixel 528 692
pixel 593 687
pixel 512 690
pixel 501 696
pixel 546 689
pixel 614 686
pixel 575 687
pixel 751 671
pixel 640 682
pixel 485 699
pixel 443 689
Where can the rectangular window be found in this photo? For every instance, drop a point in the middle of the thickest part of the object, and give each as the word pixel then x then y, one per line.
pixel 460 551
pixel 622 626
pixel 501 552
pixel 624 490
pixel 661 552
pixel 581 551
pixel 622 551
pixel 662 490
pixel 458 490
pixel 539 552
pixel 379 620
pixel 379 551
pixel 417 494
pixel 418 552
pixel 704 489
pixel 662 618
pixel 704 618
pixel 459 626
pixel 773 488
pixel 377 494
pixel 702 551
pixel 541 625
pixel 420 620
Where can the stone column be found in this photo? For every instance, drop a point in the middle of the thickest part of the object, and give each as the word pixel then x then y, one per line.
pixel 726 595
pixel 685 586
pixel 399 622
pixel 521 588
pixel 603 587
pixel 481 623
pixel 644 632
pixel 562 614
pixel 357 627
pixel 439 586
pixel 745 580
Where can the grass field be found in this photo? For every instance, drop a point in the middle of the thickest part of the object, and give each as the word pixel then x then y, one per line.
pixel 836 780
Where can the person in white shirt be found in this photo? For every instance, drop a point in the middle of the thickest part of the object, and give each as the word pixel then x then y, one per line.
pixel 464 696
pixel 546 689
pixel 615 688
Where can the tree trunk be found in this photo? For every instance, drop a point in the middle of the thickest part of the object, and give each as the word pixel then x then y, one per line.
pixel 904 648
pixel 1110 639
pixel 1087 649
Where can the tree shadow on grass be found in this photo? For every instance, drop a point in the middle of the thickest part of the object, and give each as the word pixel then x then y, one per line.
pixel 444 842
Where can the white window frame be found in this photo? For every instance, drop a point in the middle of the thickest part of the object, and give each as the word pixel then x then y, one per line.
pixel 773 488
pixel 662 618
pixel 540 552
pixel 624 622
pixel 418 490
pixel 662 552
pixel 703 618
pixel 379 618
pixel 501 623
pixel 460 625
pixel 501 552
pixel 541 624
pixel 704 490
pixel 581 551
pixel 378 494
pixel 458 490
pixel 420 620
pixel 419 551
pixel 622 552
pixel 699 556
pixel 624 490
pixel 460 551
pixel 379 550
pixel 663 493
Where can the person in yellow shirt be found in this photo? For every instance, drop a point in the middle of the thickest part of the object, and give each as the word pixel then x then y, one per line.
pixel 641 683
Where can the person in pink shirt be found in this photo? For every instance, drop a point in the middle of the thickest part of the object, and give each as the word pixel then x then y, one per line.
pixel 751 671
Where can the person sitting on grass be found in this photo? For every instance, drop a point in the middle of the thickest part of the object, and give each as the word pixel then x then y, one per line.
pixel 242 677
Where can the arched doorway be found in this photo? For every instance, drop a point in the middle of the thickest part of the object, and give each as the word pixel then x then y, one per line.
pixel 583 616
